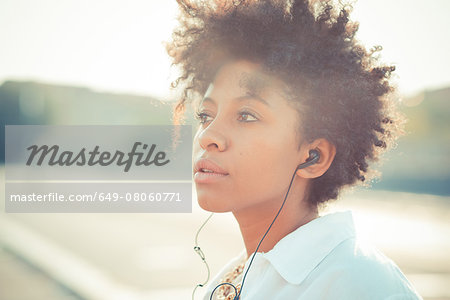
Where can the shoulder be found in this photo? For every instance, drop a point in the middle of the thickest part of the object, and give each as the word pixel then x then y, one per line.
pixel 358 268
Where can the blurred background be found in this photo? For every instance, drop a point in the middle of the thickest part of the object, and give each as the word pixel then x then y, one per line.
pixel 103 62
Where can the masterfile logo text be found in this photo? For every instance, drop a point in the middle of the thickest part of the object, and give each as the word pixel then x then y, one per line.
pixel 98 168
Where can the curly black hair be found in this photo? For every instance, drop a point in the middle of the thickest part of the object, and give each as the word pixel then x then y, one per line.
pixel 340 89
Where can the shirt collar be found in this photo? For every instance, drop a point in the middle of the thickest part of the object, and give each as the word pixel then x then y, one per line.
pixel 299 252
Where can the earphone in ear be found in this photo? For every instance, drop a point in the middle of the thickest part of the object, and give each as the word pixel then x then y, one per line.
pixel 314 156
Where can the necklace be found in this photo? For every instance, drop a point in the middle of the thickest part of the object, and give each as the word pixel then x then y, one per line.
pixel 226 291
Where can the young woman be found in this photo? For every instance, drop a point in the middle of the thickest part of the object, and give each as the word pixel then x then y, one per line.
pixel 291 109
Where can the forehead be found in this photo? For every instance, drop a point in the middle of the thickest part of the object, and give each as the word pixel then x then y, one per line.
pixel 243 76
pixel 245 73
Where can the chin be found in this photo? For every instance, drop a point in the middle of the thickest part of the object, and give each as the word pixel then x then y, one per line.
pixel 211 205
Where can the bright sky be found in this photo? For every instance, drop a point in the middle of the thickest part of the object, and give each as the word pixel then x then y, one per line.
pixel 116 45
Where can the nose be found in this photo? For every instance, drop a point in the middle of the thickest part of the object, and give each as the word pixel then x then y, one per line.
pixel 212 138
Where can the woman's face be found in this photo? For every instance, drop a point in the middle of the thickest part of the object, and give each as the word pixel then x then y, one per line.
pixel 248 130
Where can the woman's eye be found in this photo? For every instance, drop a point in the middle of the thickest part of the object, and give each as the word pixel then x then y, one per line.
pixel 247 117
pixel 243 116
pixel 202 117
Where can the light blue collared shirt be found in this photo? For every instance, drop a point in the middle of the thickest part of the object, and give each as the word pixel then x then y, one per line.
pixel 320 260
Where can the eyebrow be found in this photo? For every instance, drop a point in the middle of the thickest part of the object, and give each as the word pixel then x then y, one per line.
pixel 240 99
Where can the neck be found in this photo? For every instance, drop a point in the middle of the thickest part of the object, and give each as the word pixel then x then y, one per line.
pixel 254 221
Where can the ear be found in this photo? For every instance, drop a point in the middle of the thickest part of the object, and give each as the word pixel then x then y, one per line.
pixel 327 153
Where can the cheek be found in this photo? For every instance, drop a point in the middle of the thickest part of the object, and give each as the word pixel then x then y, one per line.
pixel 270 152
pixel 264 166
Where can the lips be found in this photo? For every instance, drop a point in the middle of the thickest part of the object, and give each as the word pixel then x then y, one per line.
pixel 207 166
